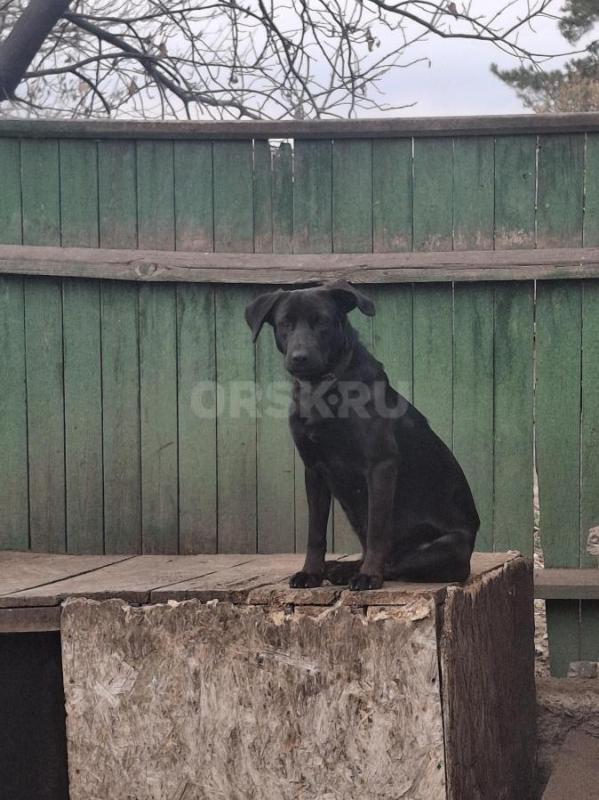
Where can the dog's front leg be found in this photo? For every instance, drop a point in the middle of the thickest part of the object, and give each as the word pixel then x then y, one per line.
pixel 319 504
pixel 381 479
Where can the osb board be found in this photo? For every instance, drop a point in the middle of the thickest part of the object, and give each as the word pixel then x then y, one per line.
pixel 576 774
pixel 487 664
pixel 190 701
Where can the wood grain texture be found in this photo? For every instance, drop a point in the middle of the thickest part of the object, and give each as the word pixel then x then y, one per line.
pixel 263 198
pixel 194 215
pixel 433 194
pixel 233 197
pixel 352 197
pixel 392 193
pixel 515 191
pixel 282 198
pixel 11 219
pixel 117 194
pixel 312 197
pixel 473 193
pixel 40 192
pixel 567 584
pixel 560 191
pixel 156 195
pixel 79 193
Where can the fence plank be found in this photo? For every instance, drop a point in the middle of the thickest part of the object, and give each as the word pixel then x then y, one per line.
pixel 515 191
pixel 117 194
pixel 158 398
pixel 473 193
pixel 233 197
pixel 392 334
pixel 40 192
pixel 121 417
pixel 433 194
pixel 392 195
pixel 282 199
pixel 79 193
pixel 14 521
pixel 194 216
pixel 312 197
pixel 560 192
pixel 263 232
pixel 197 419
pixel 236 429
pixel 156 195
pixel 11 222
pixel 352 196
pixel 558 444
pixel 433 357
pixel 513 409
pixel 473 398
pixel 83 416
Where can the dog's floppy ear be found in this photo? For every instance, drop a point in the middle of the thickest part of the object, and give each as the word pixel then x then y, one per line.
pixel 259 310
pixel 349 298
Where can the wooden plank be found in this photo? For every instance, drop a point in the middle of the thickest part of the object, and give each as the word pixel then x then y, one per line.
pixel 433 194
pixel 312 197
pixel 40 192
pixel 236 428
pixel 158 411
pixel 473 192
pixel 132 580
pixel 197 420
pixel 560 191
pixel 83 416
pixel 515 191
pixel 263 230
pixel 392 195
pixel 473 343
pixel 29 620
pixel 194 217
pixel 20 571
pixel 121 418
pixel 352 196
pixel 79 193
pixel 567 584
pixel 379 127
pixel 591 192
pixel 576 773
pixel 282 198
pixel 14 501
pixel 233 197
pixel 433 357
pixel 156 195
pixel 117 194
pixel 148 266
pixel 393 333
pixel 11 221
pixel 513 455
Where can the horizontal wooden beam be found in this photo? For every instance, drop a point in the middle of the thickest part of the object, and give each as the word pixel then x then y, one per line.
pixel 29 620
pixel 567 584
pixel 381 127
pixel 160 265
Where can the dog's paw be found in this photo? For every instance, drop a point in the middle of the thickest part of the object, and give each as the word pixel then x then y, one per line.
pixel 339 573
pixel 305 580
pixel 363 581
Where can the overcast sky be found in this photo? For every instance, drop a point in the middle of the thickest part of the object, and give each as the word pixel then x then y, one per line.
pixel 459 80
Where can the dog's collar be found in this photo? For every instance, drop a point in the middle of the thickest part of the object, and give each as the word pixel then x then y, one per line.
pixel 333 377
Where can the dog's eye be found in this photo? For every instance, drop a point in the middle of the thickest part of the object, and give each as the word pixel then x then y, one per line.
pixel 321 322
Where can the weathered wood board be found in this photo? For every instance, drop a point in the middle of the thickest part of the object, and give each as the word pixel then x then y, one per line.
pixel 286 699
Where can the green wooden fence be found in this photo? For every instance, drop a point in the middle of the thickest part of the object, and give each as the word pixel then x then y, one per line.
pixel 102 448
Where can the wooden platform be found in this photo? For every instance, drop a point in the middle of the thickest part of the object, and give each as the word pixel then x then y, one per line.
pixel 33 585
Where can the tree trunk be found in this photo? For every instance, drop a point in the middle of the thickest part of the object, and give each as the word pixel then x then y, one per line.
pixel 19 48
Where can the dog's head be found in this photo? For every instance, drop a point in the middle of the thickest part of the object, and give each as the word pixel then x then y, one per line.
pixel 310 325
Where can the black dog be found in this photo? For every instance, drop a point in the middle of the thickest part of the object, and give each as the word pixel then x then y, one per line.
pixel 403 491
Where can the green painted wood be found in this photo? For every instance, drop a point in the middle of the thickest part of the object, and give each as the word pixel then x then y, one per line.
pixel 282 198
pixel 14 520
pixel 392 195
pixel 591 199
pixel 156 195
pixel 433 357
pixel 515 191
pixel 197 419
pixel 563 630
pixel 11 223
pixel 312 197
pixel 158 405
pixel 121 417
pixel 45 414
pixel 83 416
pixel 236 429
pixel 513 411
pixel 473 192
pixel 79 193
pixel 560 190
pixel 233 197
pixel 589 630
pixel 40 187
pixel 392 334
pixel 433 194
pixel 352 196
pixel 263 230
pixel 194 218
pixel 117 194
pixel 473 398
